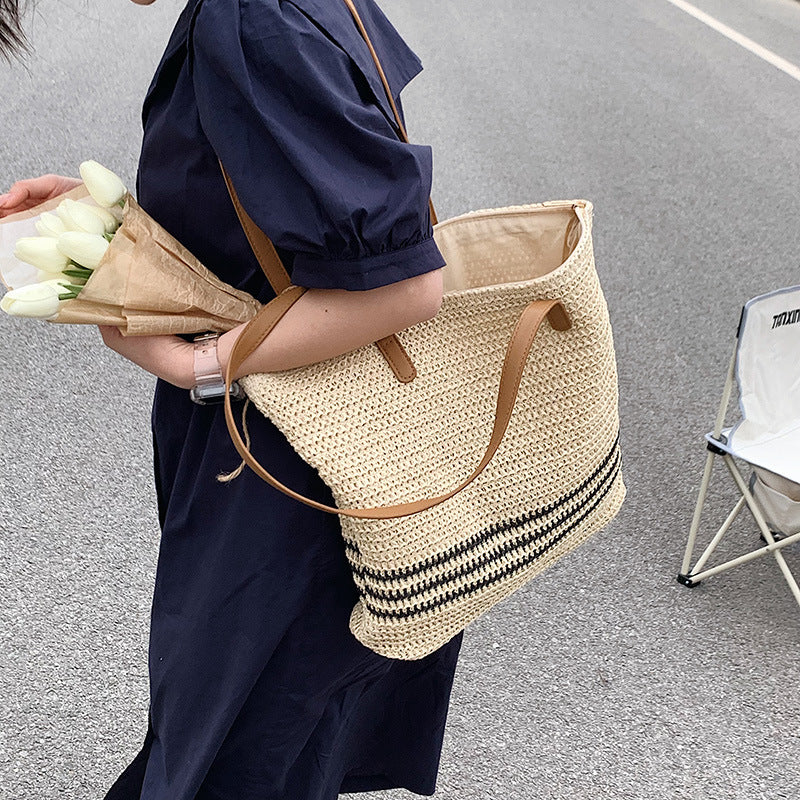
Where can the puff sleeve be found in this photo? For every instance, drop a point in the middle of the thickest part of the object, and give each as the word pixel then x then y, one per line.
pixel 313 156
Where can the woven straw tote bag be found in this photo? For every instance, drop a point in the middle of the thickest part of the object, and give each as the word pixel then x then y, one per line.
pixel 469 452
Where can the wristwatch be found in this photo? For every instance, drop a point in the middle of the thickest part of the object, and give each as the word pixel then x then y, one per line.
pixel 209 385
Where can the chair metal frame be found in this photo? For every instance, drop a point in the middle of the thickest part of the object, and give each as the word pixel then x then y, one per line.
pixel 691 576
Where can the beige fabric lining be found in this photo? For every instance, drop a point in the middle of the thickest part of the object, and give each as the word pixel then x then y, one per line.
pixel 522 247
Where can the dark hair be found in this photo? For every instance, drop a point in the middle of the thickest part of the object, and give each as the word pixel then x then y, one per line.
pixel 12 37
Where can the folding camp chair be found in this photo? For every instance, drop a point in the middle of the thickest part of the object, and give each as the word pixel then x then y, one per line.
pixel 766 367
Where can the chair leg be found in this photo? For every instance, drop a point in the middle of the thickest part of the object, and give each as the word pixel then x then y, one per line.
pixel 724 528
pixel 766 533
pixel 684 577
pixel 692 576
pixel 751 556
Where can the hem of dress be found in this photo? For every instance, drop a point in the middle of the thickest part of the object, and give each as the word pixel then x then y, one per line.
pixel 353 784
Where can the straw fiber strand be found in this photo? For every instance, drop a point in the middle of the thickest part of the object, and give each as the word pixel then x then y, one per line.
pixel 555 478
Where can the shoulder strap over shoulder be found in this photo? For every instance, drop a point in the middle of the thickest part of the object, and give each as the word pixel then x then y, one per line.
pixel 403 135
pixel 391 348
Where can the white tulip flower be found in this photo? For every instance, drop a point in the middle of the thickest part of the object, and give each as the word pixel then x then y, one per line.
pixel 65 217
pixel 42 252
pixel 104 186
pixel 38 300
pixel 50 225
pixel 110 223
pixel 83 217
pixel 85 249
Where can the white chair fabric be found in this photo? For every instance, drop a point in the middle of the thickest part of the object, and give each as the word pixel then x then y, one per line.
pixel 768 379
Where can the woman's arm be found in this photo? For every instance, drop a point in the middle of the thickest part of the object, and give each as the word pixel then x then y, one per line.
pixel 322 324
pixel 325 323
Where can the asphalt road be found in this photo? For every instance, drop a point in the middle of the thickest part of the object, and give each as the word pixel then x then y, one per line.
pixel 603 678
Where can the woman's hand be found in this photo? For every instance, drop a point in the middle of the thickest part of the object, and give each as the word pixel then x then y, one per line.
pixel 166 357
pixel 33 191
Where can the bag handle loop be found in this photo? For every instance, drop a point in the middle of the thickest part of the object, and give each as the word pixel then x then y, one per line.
pixel 516 357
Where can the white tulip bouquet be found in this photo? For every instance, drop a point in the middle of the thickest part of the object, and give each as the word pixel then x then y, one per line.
pixel 71 243
pixel 100 259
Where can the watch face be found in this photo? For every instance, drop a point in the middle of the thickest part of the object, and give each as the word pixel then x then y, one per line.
pixel 209 393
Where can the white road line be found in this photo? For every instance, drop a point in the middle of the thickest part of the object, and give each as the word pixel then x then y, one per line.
pixel 767 55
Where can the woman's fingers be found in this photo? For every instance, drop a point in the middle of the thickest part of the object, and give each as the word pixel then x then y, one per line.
pixel 26 194
pixel 14 199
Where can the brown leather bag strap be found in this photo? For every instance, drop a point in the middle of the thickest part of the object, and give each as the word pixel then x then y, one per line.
pixel 386 88
pixel 516 356
pixel 259 241
pixel 262 246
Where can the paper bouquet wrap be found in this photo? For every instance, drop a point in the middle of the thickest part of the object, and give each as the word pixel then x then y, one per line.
pixel 146 283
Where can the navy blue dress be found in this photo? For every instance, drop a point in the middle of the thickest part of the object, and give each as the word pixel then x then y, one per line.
pixel 258 690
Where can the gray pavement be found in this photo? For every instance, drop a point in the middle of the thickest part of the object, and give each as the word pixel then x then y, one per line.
pixel 601 679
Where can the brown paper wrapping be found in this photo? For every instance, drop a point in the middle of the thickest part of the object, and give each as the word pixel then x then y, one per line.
pixel 148 283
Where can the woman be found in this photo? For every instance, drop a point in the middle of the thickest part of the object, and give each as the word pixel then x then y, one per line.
pixel 258 690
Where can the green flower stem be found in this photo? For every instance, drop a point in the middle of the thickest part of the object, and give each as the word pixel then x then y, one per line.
pixel 75 265
pixel 83 274
pixel 68 296
pixel 108 236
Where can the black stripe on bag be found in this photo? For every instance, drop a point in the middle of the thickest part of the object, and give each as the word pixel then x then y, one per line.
pixel 481 537
pixel 503 548
pixel 510 570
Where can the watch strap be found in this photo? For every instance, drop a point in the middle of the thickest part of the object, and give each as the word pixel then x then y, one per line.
pixel 207 368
